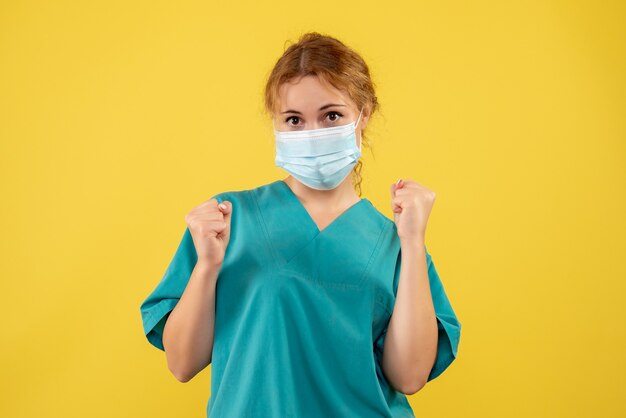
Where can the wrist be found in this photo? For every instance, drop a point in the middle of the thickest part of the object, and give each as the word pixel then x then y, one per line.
pixel 207 267
pixel 412 243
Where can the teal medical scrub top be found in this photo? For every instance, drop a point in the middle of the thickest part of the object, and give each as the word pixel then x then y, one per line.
pixel 301 314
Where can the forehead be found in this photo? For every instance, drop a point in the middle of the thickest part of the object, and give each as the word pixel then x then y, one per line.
pixel 309 92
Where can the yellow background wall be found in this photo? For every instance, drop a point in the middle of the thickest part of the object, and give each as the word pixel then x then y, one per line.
pixel 118 117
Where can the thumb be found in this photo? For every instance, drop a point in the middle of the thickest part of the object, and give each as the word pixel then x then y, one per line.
pixel 395 186
pixel 226 207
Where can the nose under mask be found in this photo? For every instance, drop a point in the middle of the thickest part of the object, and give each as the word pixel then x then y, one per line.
pixel 319 158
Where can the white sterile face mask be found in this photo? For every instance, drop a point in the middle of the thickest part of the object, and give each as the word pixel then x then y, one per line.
pixel 320 158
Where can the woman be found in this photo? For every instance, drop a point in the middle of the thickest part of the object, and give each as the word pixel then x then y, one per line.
pixel 306 300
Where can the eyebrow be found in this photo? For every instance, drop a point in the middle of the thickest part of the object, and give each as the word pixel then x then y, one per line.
pixel 321 108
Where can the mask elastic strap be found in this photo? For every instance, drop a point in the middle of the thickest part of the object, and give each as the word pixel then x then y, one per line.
pixel 361 134
pixel 359 119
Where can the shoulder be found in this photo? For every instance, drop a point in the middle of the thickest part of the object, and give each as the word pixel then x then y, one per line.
pixel 391 229
pixel 383 220
pixel 267 194
pixel 381 216
pixel 239 196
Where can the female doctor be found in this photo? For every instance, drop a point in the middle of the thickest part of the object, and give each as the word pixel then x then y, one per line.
pixel 305 299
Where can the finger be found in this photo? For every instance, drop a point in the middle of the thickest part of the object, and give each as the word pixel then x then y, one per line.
pixel 413 185
pixel 226 208
pixel 219 226
pixel 394 187
pixel 404 191
pixel 208 216
pixel 396 204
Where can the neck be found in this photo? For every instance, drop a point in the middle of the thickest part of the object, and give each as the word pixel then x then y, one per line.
pixel 339 197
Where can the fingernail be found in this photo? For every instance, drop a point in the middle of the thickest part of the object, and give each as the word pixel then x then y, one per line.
pixel 398 182
pixel 223 206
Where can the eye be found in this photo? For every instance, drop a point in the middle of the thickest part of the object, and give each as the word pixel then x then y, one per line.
pixel 289 118
pixel 335 118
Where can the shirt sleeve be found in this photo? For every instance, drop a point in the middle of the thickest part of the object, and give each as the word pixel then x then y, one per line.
pixel 448 325
pixel 156 308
